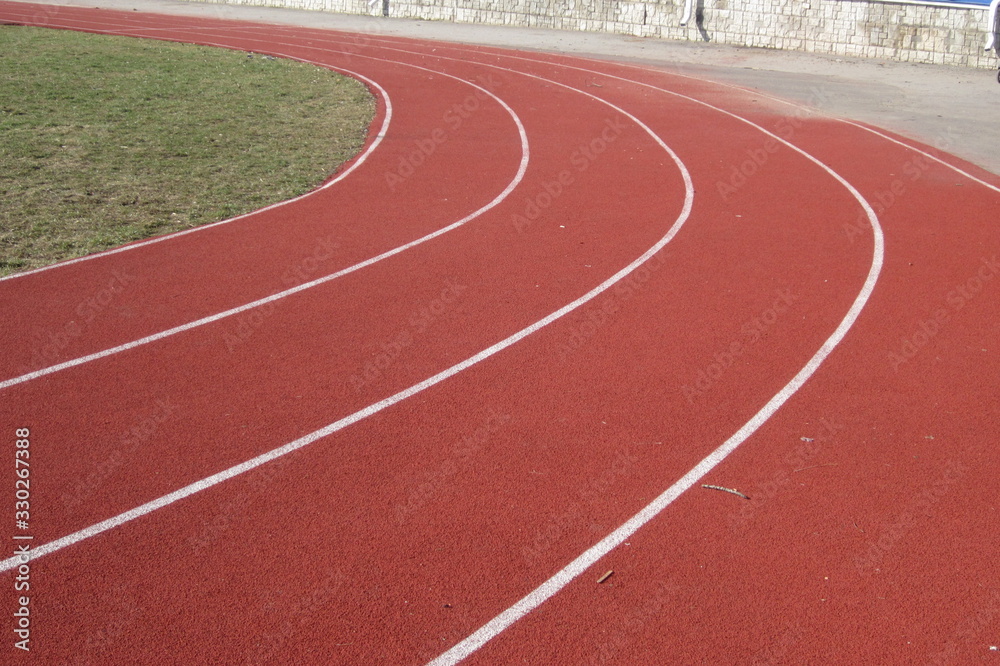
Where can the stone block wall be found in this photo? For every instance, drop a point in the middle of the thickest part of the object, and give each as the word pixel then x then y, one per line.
pixel 925 33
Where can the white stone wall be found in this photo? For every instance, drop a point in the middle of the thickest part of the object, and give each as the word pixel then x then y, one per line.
pixel 906 32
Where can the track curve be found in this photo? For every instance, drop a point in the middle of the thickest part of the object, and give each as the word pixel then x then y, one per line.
pixel 357 548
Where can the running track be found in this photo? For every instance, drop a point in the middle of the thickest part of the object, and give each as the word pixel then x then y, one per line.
pixel 418 413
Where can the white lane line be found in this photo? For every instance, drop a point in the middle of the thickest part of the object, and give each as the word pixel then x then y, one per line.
pixel 177 234
pixel 518 177
pixel 922 152
pixel 814 111
pixel 797 105
pixel 557 582
pixel 240 468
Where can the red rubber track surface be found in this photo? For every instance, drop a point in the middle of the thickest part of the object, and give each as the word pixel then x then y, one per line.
pixel 871 523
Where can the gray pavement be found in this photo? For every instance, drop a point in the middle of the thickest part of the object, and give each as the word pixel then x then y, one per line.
pixel 924 102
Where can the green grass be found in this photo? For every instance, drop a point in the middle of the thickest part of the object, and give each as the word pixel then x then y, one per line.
pixel 105 140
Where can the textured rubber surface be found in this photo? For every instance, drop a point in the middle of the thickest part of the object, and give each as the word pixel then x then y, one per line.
pixel 872 507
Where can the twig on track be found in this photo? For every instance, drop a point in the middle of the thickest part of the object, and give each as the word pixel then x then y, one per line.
pixel 726 490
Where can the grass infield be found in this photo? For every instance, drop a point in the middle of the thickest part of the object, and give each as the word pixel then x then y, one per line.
pixel 106 140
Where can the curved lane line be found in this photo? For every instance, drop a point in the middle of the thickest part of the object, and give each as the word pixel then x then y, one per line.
pixel 522 168
pixel 846 121
pixel 346 421
pixel 915 149
pixel 563 577
pixel 773 98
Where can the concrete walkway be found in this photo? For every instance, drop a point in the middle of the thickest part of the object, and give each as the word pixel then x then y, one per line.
pixel 929 103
